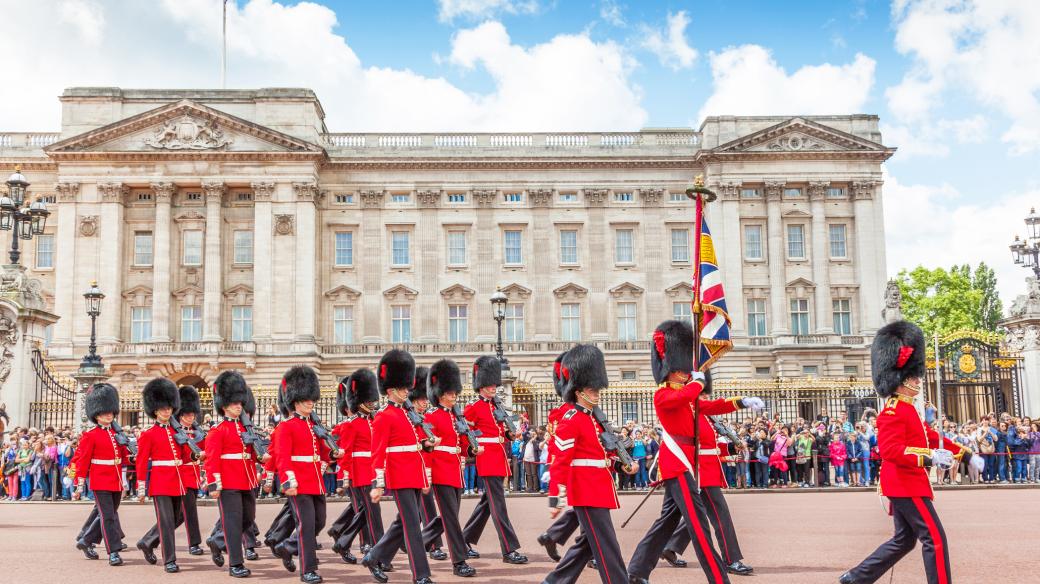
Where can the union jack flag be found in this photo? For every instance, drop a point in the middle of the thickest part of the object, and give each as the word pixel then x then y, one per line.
pixel 715 338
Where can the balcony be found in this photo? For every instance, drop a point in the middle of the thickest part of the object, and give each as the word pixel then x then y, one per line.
pixel 122 349
pixel 27 140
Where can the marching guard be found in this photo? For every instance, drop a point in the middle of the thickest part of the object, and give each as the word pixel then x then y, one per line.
pixel 908 447
pixel 582 465
pixel 100 459
pixel 399 467
pixel 566 523
pixel 492 464
pixel 428 509
pixel 279 537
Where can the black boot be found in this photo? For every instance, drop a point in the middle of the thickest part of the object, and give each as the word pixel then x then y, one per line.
pixel 88 550
pixel 637 580
pixel 251 555
pixel 673 559
pixel 172 568
pixel 550 546
pixel 514 557
pixel 375 568
pixel 471 554
pixel 286 556
pixel 739 568
pixel 846 578
pixel 311 578
pixel 426 580
pixel 114 559
pixel 149 554
pixel 195 550
pixel 438 554
pixel 592 565
pixel 239 572
pixel 463 569
pixel 215 553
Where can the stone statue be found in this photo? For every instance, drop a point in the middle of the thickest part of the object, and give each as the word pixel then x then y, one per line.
pixel 1028 303
pixel 893 309
pixel 8 338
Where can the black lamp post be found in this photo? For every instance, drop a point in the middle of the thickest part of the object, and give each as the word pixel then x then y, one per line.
pixel 498 306
pixel 1027 253
pixel 93 298
pixel 23 221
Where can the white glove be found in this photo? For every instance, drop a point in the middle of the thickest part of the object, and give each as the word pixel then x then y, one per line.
pixel 697 376
pixel 545 477
pixel 942 459
pixel 754 403
pixel 977 462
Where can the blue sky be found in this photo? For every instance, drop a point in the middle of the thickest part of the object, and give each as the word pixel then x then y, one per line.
pixel 955 82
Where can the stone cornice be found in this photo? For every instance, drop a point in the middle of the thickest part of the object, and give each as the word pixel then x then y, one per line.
pixel 713 156
pixel 427 198
pixel 684 163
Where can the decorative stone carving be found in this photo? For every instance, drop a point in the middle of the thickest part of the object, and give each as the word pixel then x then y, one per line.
pixel 1028 303
pixel 262 191
pixel 540 197
pixel 67 192
pixel 893 309
pixel 284 224
pixel 796 142
pixel 652 196
pixel 682 289
pixel 863 189
pixel 191 217
pixel 774 189
pixel 400 292
pixel 17 286
pixel 191 276
pixel 214 191
pixel 307 192
pixel 371 199
pixel 428 198
pixel 484 197
pixel 112 192
pixel 728 191
pixel 596 197
pixel 458 292
pixel 571 291
pixel 88 225
pixel 626 290
pixel 342 292
pixel 8 338
pixel 188 133
pixel 163 191
pixel 818 190
pixel 515 291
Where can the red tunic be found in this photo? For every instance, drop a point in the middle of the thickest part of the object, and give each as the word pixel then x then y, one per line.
pixel 555 415
pixel 99 459
pixel 582 463
pixel 712 451
pixel 494 461
pixel 228 459
pixel 905 441
pixel 158 462
pixel 447 459
pixel 674 406
pixel 299 452
pixel 191 475
pixel 270 467
pixel 354 437
pixel 396 450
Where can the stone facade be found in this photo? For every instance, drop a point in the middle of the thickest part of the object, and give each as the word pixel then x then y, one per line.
pixel 230 229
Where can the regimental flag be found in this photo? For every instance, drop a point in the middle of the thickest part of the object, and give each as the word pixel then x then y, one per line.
pixel 715 338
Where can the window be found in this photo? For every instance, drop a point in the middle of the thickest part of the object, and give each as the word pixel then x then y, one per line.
pixel 194 196
pixel 48 335
pixel 682 311
pixel 191 324
pixel 796 242
pixel 456 197
pixel 570 325
pixel 623 246
pixel 456 248
pixel 517 197
pixel 628 376
pixel 681 245
pixel 514 247
pixel 753 242
pixel 756 317
pixel 343 324
pixel 568 197
pixel 750 193
pixel 244 247
pixel 799 316
pixel 676 197
pixel 241 324
pixel 514 322
pixel 345 248
pixel 458 319
pixel 568 246
pixel 626 321
pixel 399 246
pixel 144 196
pixel 344 199
pixel 244 196
pixel 623 197
pixel 835 192
pixel 192 248
pixel 140 324
pixel 630 410
pixel 842 312
pixel 44 251
pixel 142 248
pixel 401 323
pixel 762 371
pixel 837 239
pixel 792 192
pixel 400 197
pixel 852 370
pixel 813 370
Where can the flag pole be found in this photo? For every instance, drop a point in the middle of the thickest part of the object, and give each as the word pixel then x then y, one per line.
pixel 223 50
pixel 938 389
pixel 700 194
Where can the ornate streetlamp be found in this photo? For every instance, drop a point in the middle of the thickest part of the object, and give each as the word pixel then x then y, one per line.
pixel 17 215
pixel 1027 253
pixel 93 298
pixel 498 307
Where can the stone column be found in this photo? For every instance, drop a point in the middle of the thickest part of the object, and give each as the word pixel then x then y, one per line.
pixel 373 235
pixel 263 232
pixel 65 268
pixel 1023 335
pixel 213 291
pixel 306 259
pixel 163 194
pixel 821 258
pixel 541 264
pixel 654 308
pixel 595 312
pixel 870 290
pixel 727 246
pixel 486 270
pixel 113 196
pixel 778 318
pixel 429 258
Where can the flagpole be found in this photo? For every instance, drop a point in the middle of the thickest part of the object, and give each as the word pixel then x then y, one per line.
pixel 938 389
pixel 223 50
pixel 700 194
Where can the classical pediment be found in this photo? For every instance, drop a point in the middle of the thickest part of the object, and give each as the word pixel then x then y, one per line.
pixel 457 292
pixel 515 291
pixel 800 137
pixel 800 283
pixel 183 129
pixel 400 292
pixel 797 213
pixel 341 292
pixel 239 294
pixel 139 293
pixel 626 289
pixel 190 294
pixel 680 290
pixel 571 290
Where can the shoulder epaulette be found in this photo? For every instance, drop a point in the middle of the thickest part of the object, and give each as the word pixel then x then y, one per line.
pixel 891 403
pixel 570 414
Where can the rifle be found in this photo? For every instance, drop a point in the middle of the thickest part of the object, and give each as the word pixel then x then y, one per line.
pixel 200 434
pixel 181 437
pixel 249 437
pixel 462 427
pixel 504 416
pixel 417 420
pixel 609 438
pixel 123 440
pixel 323 433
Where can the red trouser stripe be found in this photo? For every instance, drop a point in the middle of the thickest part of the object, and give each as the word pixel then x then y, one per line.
pixel 444 526
pixel 933 530
pixel 299 534
pixel 404 534
pixel 494 513
pixel 223 525
pixel 104 533
pixel 722 530
pixel 603 567
pixel 694 522
pixel 158 525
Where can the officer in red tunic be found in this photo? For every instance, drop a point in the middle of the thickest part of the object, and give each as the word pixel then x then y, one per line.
pixel 159 459
pixel 671 359
pixel 908 449
pixel 231 470
pixel 567 523
pixel 100 460
pixel 279 537
pixel 428 510
pixel 492 464
pixel 447 462
pixel 582 467
pixel 301 459
pixel 399 466
pixel 349 514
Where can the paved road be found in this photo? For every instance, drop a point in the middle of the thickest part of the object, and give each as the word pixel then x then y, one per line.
pixel 803 537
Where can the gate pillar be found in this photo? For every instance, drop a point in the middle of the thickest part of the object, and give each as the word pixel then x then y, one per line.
pixel 23 320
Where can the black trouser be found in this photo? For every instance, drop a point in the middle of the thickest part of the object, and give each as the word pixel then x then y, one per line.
pixel 405 527
pixel 597 541
pixel 93 518
pixel 492 504
pixel 186 513
pixel 343 521
pixel 721 522
pixel 310 519
pixel 248 536
pixel 823 472
pixel 680 503
pixel 563 527
pixel 237 511
pixel 447 499
pixel 428 512
pixel 168 516
pixel 367 519
pixel 759 473
pixel 915 519
pixel 283 525
pixel 106 527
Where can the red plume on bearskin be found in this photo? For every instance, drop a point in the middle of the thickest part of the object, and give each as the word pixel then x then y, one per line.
pixel 160 393
pixel 444 377
pixel 396 369
pixel 487 372
pixel 101 398
pixel 583 367
pixel 557 374
pixel 361 387
pixel 896 355
pixel 672 349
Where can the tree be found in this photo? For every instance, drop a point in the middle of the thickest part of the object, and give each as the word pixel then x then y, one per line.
pixel 943 301
pixel 991 310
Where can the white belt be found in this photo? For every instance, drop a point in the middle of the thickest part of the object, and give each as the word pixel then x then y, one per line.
pixel 410 448
pixel 166 463
pixel 708 451
pixel 107 461
pixel 593 462
pixel 312 458
pixel 235 456
pixel 496 440
pixel 448 449
pixel 361 454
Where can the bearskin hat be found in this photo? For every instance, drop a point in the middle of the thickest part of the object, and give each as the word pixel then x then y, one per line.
pixel 230 387
pixel 102 398
pixel 283 408
pixel 190 402
pixel 896 355
pixel 160 393
pixel 671 349
pixel 487 372
pixel 583 366
pixel 396 369
pixel 249 406
pixel 359 388
pixel 300 383
pixel 341 396
pixel 444 377
pixel 419 390
pixel 557 379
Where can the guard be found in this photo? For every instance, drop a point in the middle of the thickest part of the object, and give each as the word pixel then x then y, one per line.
pixel 566 523
pixel 428 509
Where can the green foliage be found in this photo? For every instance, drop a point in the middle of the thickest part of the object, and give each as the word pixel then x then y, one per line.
pixel 943 301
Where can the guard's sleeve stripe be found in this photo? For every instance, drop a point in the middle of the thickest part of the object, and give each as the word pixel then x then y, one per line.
pixel 565 444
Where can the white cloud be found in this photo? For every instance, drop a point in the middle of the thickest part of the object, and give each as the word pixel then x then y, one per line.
pixel 567 83
pixel 479 9
pixel 934 139
pixel 670 45
pixel 748 81
pixel 984 49
pixel 610 11
pixel 86 16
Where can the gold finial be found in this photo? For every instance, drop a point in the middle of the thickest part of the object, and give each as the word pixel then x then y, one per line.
pixel 93 283
pixel 698 181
